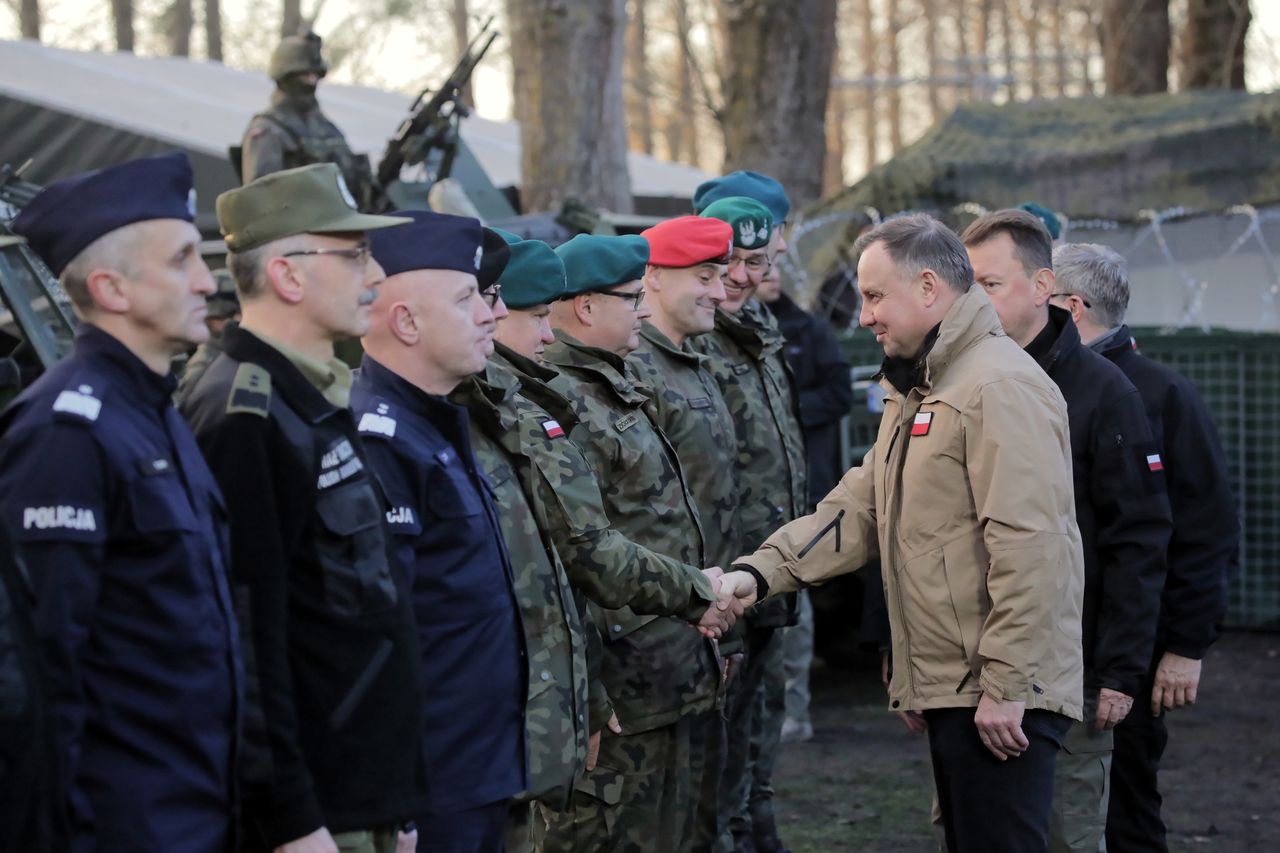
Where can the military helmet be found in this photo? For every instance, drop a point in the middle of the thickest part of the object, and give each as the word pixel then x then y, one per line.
pixel 297 55
pixel 224 301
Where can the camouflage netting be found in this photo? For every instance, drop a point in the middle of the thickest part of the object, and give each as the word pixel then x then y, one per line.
pixel 1106 158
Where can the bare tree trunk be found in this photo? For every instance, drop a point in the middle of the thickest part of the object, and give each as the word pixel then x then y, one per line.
pixel 983 48
pixel 567 80
pixel 1059 43
pixel 461 38
pixel 29 19
pixel 640 82
pixel 291 19
pixel 1006 47
pixel 833 165
pixel 1135 46
pixel 894 72
pixel 1035 65
pixel 122 16
pixel 963 66
pixel 180 19
pixel 870 68
pixel 213 29
pixel 777 76
pixel 929 9
pixel 1212 48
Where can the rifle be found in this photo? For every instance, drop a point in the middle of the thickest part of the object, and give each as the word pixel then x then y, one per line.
pixel 15 193
pixel 432 124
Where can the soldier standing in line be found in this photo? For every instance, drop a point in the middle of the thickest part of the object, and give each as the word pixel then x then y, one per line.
pixel 683 286
pixel 660 675
pixel 294 131
pixel 222 307
pixel 560 544
pixel 333 753
pixel 120 527
pixel 748 362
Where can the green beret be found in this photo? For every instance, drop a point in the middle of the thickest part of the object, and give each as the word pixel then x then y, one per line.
pixel 534 275
pixel 1045 215
pixel 594 262
pixel 762 188
pixel 751 220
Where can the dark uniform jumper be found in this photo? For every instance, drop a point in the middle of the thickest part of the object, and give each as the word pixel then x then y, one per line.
pixel 124 535
pixel 333 731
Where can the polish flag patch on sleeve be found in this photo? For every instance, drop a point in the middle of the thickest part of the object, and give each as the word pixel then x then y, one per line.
pixel 921 424
pixel 1154 462
pixel 553 429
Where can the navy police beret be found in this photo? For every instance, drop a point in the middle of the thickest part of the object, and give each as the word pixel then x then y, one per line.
pixel 596 262
pixel 435 241
pixel 534 275
pixel 494 260
pixel 754 185
pixel 68 215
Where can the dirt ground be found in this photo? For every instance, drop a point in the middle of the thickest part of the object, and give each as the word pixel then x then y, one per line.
pixel 862 782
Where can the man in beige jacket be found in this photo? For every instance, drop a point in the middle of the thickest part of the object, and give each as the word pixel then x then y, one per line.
pixel 966 498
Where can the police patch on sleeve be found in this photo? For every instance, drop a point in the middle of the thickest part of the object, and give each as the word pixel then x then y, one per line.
pixel 60 522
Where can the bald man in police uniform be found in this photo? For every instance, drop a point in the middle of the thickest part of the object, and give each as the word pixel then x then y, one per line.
pixel 120 524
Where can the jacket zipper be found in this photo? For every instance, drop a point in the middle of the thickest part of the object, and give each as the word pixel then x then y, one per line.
pixel 834 523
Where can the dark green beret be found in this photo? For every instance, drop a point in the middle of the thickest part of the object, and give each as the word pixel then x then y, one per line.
pixel 762 188
pixel 534 275
pixel 752 222
pixel 594 262
pixel 1045 215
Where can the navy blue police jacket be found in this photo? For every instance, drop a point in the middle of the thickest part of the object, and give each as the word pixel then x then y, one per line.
pixel 333 701
pixel 123 533
pixel 446 533
pixel 1205 548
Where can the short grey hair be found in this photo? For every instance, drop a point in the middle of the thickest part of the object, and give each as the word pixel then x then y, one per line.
pixel 113 250
pixel 1099 275
pixel 918 242
pixel 249 268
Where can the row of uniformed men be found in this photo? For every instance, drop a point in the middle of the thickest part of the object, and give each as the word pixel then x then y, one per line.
pixel 327 608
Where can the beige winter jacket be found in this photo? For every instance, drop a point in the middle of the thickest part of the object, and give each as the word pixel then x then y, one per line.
pixel 967 499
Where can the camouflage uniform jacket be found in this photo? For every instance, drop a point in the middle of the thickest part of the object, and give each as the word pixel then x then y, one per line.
pixel 294 132
pixel 656 669
pixel 748 363
pixel 556 703
pixel 691 412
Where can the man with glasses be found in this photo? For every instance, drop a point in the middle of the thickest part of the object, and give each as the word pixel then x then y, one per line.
pixel 746 357
pixel 332 757
pixel 1121 508
pixel 660 675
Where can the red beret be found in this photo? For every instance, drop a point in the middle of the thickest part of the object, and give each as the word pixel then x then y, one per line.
pixel 687 241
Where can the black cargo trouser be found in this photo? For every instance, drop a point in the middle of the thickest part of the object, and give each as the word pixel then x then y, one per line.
pixel 1133 817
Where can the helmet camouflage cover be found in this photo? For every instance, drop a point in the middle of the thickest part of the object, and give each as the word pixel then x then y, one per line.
pixel 297 55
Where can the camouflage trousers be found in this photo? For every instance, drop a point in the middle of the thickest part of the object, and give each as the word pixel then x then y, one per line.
pixel 367 841
pixel 1082 785
pixel 756 707
pixel 641 797
pixel 519 838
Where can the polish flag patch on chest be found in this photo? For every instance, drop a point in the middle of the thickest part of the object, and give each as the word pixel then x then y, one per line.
pixel 920 426
pixel 552 429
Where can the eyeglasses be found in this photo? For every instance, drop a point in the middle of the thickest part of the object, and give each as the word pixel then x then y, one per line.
pixel 755 263
pixel 636 298
pixel 1086 302
pixel 491 294
pixel 358 254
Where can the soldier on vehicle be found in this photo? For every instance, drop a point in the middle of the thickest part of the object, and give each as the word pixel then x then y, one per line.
pixel 294 131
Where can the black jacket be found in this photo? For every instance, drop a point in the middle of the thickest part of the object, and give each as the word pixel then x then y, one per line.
pixel 1205 548
pixel 1121 506
pixel 334 699
pixel 826 393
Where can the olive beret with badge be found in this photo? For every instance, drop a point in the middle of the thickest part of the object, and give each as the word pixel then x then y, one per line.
pixel 534 275
pixel 596 262
pixel 754 185
pixel 687 241
pixel 307 200
pixel 66 216
pixel 750 220
pixel 439 241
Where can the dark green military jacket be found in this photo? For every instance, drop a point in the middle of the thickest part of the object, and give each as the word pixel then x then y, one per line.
pixel 556 706
pixel 691 412
pixel 746 358
pixel 294 132
pixel 656 669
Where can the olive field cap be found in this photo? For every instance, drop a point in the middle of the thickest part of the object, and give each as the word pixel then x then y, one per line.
pixel 307 200
pixel 66 216
pixel 534 275
pixel 597 262
pixel 440 241
pixel 750 220
pixel 687 241
pixel 762 188
pixel 297 55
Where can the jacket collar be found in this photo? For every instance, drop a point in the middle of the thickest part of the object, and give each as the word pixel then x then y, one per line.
pixel 106 352
pixel 1062 337
pixel 606 366
pixel 970 319
pixel 1118 339
pixel 535 383
pixel 751 329
pixel 489 397
pixel 654 336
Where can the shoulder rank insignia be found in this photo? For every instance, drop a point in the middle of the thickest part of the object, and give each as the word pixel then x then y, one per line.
pixel 80 402
pixel 379 421
pixel 250 391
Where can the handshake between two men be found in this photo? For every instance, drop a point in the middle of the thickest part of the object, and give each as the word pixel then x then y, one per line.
pixel 735 592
